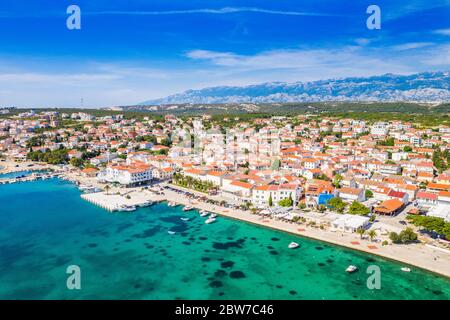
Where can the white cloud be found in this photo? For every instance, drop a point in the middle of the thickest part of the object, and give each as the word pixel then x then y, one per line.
pixel 411 46
pixel 225 10
pixel 444 32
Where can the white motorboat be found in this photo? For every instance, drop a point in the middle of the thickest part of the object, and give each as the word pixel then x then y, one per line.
pixel 187 208
pixel 351 269
pixel 185 219
pixel 210 220
pixel 213 215
pixel 293 245
pixel 171 232
pixel 125 208
pixel 203 211
pixel 204 214
pixel 172 204
pixel 406 269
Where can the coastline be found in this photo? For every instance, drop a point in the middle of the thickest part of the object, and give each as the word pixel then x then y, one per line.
pixel 416 255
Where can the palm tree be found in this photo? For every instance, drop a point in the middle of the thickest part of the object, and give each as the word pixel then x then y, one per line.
pixel 107 188
pixel 372 234
pixel 361 232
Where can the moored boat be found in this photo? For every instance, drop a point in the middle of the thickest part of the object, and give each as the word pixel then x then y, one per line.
pixel 187 208
pixel 210 220
pixel 351 269
pixel 293 245
pixel 405 269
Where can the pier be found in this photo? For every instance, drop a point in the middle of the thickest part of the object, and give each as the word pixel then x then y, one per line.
pixel 112 202
pixel 31 177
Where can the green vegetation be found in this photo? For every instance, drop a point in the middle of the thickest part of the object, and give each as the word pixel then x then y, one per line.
pixel 337 204
pixel 389 142
pixel 369 194
pixel 431 224
pixel 287 202
pixel 441 160
pixel 358 208
pixel 192 183
pixel 52 157
pixel 405 236
pixel 337 180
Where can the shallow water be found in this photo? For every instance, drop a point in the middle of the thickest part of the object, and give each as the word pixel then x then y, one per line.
pixel 46 226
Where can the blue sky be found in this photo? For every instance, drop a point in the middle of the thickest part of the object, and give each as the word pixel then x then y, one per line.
pixel 130 51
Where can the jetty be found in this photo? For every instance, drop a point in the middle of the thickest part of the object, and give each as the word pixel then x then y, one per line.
pixel 113 201
pixel 31 177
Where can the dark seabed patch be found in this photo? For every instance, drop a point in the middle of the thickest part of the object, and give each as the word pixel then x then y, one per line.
pixel 319 248
pixel 293 292
pixel 275 239
pixel 92 245
pixel 147 233
pixel 220 273
pixel 216 284
pixel 321 264
pixel 237 275
pixel 273 252
pixel 206 259
pixel 227 264
pixel 230 244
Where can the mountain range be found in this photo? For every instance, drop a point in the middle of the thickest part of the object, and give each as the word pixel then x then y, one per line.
pixel 429 87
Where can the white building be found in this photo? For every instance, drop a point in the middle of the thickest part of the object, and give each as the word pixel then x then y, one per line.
pixel 262 194
pixel 350 223
pixel 126 175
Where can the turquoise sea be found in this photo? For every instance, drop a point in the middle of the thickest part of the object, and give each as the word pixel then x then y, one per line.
pixel 45 226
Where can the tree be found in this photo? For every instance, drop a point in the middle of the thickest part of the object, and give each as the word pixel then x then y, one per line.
pixel 270 200
pixel 287 202
pixel 358 208
pixel 394 237
pixel 361 232
pixel 408 235
pixel 337 180
pixel 337 204
pixel 372 234
pixel 407 149
pixel 107 187
pixel 76 162
pixel 369 194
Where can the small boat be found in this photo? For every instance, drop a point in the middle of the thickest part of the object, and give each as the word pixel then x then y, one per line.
pixel 204 214
pixel 172 204
pixel 351 269
pixel 213 215
pixel 185 219
pixel 293 245
pixel 171 232
pixel 210 220
pixel 203 211
pixel 187 208
pixel 146 203
pixel 125 208
pixel 406 269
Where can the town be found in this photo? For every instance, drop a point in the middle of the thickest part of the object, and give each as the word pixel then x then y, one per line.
pixel 342 180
